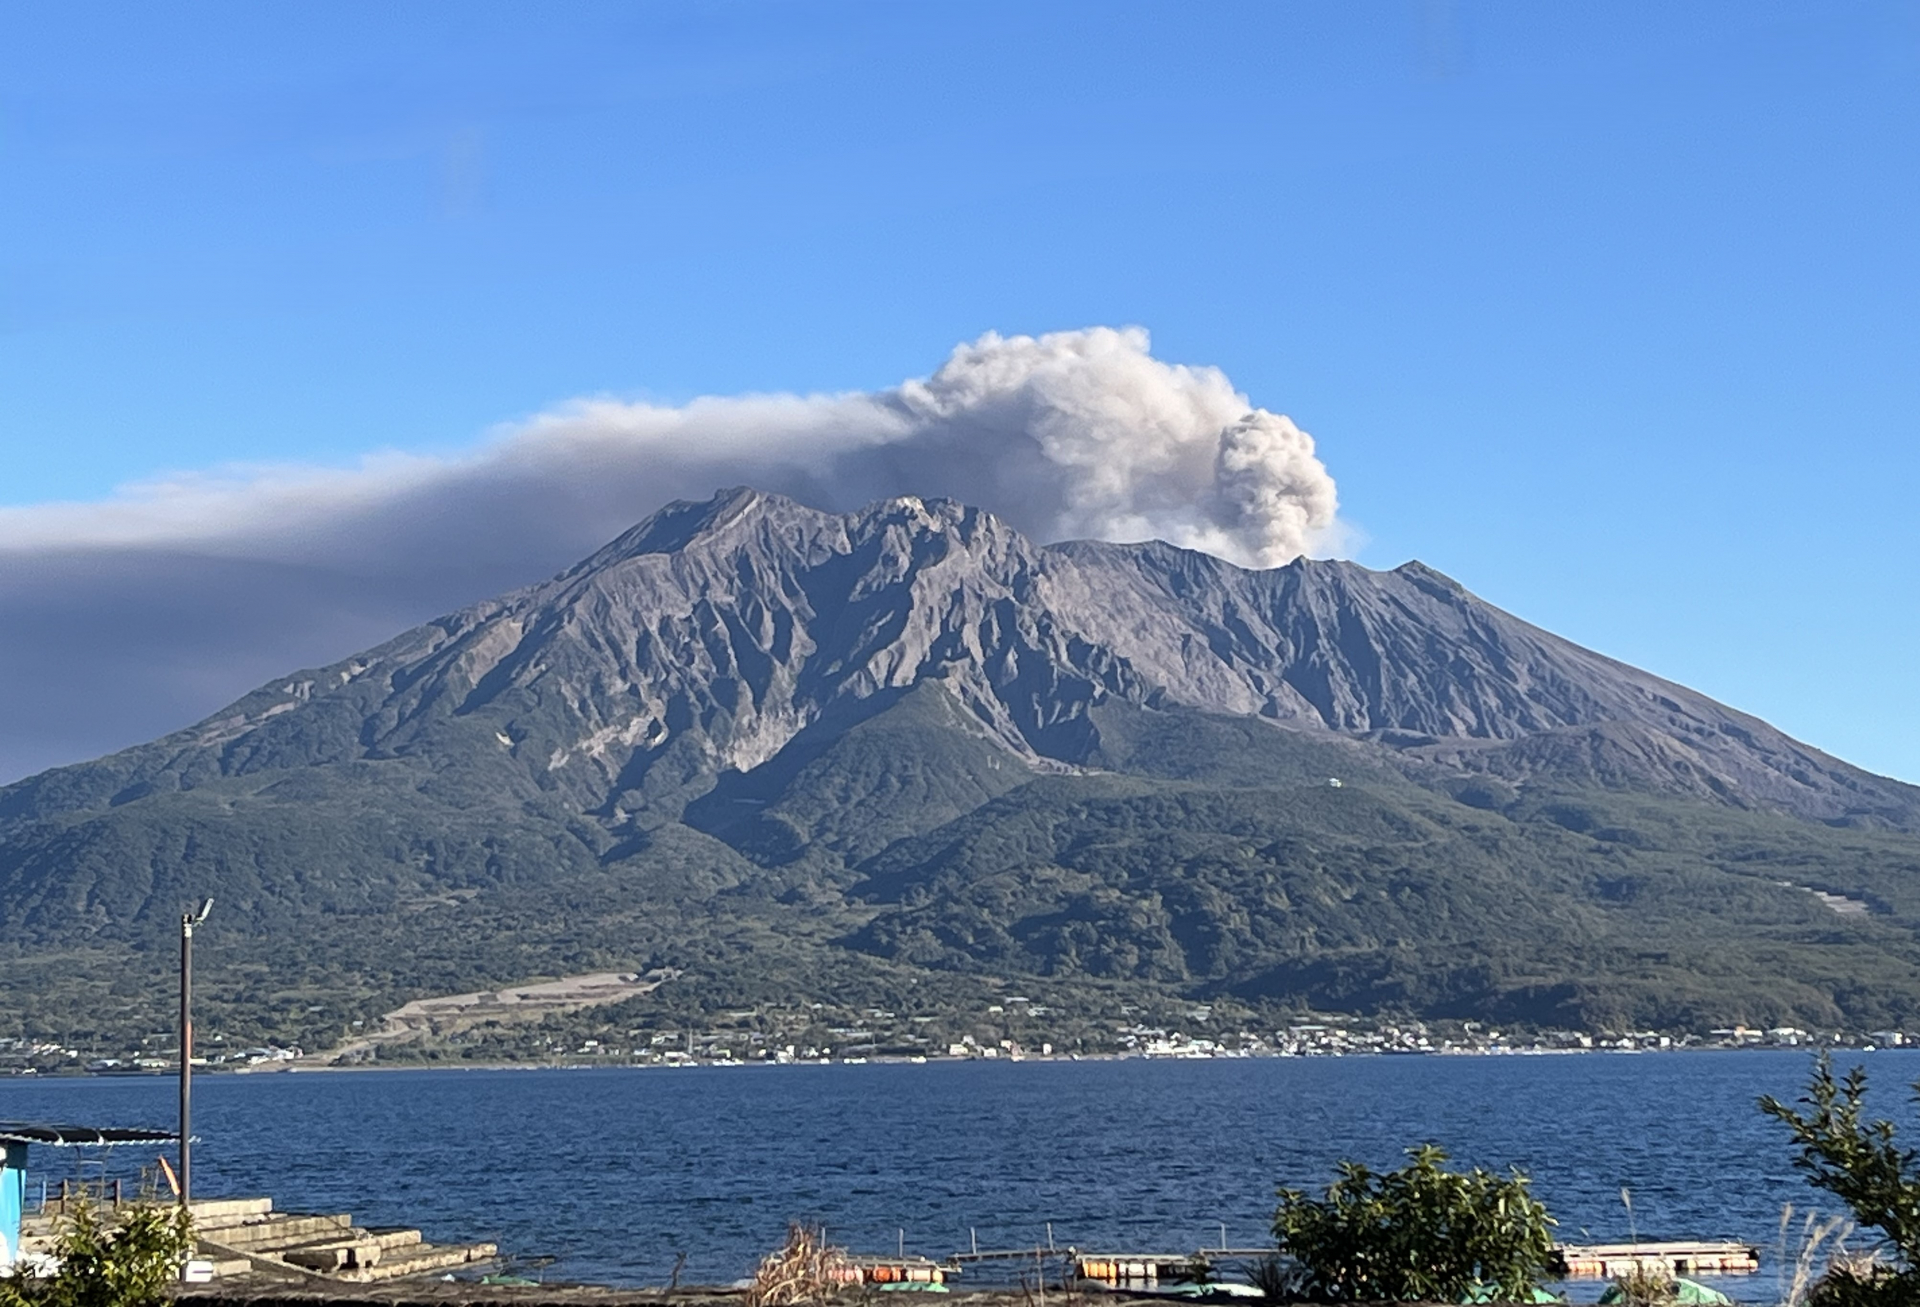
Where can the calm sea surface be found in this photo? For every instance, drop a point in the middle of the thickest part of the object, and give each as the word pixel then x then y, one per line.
pixel 617 1171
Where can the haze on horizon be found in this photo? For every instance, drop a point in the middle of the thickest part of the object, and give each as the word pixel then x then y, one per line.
pixel 320 325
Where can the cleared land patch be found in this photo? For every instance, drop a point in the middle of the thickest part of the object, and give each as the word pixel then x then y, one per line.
pixel 450 1014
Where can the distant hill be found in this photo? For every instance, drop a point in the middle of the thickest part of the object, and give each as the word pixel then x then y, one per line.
pixel 803 755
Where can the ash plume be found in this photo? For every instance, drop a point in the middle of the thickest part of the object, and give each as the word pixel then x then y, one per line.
pixel 126 617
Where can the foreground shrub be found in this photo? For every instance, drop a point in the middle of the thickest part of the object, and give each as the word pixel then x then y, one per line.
pixel 1860 1163
pixel 1422 1233
pixel 126 1259
pixel 1848 1284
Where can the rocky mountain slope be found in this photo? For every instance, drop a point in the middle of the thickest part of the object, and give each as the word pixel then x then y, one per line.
pixel 745 712
pixel 713 636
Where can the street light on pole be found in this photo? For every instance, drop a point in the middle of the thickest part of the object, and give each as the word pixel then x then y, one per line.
pixel 188 921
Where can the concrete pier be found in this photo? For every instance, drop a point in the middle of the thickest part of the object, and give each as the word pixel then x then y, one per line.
pixel 247 1240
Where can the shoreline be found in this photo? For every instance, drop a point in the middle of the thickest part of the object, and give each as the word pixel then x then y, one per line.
pixel 323 1068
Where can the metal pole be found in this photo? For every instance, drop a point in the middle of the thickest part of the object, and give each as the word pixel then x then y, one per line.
pixel 186 1058
pixel 188 920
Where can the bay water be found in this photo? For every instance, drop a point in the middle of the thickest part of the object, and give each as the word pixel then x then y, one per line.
pixel 618 1172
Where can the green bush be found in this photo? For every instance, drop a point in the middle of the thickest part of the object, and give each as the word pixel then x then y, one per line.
pixel 1422 1233
pixel 1849 1286
pixel 127 1261
pixel 1860 1163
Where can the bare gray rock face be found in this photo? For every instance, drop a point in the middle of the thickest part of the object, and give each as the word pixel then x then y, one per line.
pixel 710 637
pixel 1412 660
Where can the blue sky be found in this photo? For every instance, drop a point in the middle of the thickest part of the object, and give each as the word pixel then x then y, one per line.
pixel 1606 310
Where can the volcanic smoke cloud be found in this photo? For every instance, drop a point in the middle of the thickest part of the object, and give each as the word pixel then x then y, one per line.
pixel 129 617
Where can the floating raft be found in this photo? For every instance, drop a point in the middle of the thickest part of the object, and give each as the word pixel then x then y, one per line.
pixel 896 1270
pixel 1608 1260
pixel 1121 1269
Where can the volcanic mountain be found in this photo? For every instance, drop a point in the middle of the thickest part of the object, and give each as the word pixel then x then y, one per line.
pixel 788 752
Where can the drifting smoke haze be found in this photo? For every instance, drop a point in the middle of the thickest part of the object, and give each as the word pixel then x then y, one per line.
pixel 125 618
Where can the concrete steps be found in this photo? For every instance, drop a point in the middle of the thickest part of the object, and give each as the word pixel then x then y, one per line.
pixel 211 1213
pixel 395 1237
pixel 279 1231
pixel 421 1259
pixel 354 1251
pixel 247 1237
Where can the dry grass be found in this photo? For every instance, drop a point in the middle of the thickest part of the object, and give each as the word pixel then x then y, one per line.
pixel 1806 1261
pixel 1647 1285
pixel 805 1270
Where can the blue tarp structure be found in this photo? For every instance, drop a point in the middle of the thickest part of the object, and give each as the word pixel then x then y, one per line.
pixel 15 1139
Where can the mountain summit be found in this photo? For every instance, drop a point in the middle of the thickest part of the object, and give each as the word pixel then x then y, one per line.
pixel 750 697
pixel 713 635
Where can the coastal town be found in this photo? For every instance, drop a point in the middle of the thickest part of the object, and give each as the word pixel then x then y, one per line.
pixel 882 1038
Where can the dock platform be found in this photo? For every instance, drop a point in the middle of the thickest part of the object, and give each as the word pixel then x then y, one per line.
pixel 1607 1260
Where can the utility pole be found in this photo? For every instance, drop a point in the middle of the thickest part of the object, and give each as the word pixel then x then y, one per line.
pixel 188 921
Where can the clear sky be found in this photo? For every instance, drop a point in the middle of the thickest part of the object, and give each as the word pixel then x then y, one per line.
pixel 1612 312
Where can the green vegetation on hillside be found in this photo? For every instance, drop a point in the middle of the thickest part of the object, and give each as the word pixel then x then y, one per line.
pixel 908 864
